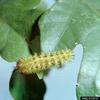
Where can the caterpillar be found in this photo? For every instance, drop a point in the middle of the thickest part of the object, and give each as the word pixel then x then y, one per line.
pixel 40 62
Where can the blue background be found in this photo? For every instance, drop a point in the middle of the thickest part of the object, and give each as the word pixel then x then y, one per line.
pixel 61 83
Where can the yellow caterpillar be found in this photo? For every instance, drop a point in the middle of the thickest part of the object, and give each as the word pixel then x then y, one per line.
pixel 43 61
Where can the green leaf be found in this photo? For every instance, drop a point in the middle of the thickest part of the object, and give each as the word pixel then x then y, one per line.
pixel 20 17
pixel 15 46
pixel 17 85
pixel 19 20
pixel 20 4
pixel 54 24
pixel 40 75
pixel 87 27
pixel 88 84
pixel 26 87
pixel 3 34
pixel 61 28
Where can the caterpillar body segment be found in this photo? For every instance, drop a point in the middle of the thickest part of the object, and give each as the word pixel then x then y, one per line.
pixel 40 62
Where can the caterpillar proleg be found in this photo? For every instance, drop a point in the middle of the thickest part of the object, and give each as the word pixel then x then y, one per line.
pixel 40 62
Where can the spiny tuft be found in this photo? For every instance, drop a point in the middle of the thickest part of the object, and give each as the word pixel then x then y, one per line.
pixel 40 62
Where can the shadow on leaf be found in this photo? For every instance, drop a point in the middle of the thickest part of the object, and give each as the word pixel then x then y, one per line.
pixel 26 87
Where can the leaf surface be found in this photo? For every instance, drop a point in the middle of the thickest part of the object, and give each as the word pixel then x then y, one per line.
pixel 62 28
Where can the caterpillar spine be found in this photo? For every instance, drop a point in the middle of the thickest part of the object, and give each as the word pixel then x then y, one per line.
pixel 43 61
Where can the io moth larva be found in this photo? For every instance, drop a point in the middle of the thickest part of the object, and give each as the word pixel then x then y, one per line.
pixel 43 61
